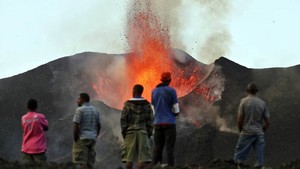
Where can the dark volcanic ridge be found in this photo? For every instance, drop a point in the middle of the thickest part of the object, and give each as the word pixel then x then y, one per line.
pixel 207 129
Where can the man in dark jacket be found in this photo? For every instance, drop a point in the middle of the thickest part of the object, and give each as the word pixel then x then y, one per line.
pixel 137 127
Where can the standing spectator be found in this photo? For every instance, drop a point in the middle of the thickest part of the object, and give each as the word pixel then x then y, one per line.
pixel 253 121
pixel 137 128
pixel 34 125
pixel 86 128
pixel 165 102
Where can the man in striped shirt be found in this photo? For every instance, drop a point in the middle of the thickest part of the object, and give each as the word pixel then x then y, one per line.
pixel 253 121
pixel 86 129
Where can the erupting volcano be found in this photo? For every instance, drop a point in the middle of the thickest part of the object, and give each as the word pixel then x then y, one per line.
pixel 206 125
pixel 150 55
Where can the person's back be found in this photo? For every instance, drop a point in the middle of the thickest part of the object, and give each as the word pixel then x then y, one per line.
pixel 86 128
pixel 137 127
pixel 253 121
pixel 163 99
pixel 254 111
pixel 166 108
pixel 139 114
pixel 34 141
pixel 88 118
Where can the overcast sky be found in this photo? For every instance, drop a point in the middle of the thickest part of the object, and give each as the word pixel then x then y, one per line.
pixel 260 33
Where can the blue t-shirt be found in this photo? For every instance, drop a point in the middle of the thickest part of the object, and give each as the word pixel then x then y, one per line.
pixel 163 98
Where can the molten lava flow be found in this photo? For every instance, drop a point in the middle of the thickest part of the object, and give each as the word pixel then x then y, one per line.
pixel 152 53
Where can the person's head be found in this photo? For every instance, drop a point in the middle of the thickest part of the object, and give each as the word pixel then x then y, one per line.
pixel 252 88
pixel 32 105
pixel 166 78
pixel 137 90
pixel 83 98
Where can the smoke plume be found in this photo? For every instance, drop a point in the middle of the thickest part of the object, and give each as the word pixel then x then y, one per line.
pixel 198 27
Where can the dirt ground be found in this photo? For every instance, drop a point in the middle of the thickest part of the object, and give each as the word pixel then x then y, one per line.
pixel 214 164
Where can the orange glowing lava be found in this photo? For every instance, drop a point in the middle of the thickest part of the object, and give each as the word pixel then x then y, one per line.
pixel 150 55
pixel 150 43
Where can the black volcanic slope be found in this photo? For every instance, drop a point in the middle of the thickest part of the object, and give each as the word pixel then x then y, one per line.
pixel 280 88
pixel 57 84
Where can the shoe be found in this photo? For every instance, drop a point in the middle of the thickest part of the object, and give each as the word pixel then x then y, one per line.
pixel 166 166
pixel 241 165
pixel 156 166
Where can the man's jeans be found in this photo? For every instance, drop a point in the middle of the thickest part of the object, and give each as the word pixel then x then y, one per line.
pixel 244 145
pixel 164 136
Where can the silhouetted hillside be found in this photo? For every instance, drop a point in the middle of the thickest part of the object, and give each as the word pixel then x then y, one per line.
pixel 279 87
pixel 57 84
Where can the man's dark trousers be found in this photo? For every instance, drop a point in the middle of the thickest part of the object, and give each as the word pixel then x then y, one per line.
pixel 164 135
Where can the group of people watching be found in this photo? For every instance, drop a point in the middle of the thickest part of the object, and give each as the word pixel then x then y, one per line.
pixel 141 119
pixel 137 123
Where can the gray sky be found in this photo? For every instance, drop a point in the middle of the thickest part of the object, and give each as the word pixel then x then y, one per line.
pixel 254 33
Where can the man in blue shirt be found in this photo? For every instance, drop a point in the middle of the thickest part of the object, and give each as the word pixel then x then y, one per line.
pixel 165 102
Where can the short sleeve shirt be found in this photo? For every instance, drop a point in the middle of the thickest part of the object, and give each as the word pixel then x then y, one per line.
pixel 163 98
pixel 253 110
pixel 88 119
pixel 34 140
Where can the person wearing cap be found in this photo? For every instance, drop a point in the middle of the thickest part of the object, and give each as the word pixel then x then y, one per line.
pixel 137 128
pixel 166 108
pixel 253 121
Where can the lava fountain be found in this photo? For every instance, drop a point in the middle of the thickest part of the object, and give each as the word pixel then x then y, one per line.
pixel 150 55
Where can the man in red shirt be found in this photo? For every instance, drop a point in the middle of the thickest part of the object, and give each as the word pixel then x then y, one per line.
pixel 34 141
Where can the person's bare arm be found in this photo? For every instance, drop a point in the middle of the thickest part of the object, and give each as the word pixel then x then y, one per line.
pixel 266 123
pixel 240 117
pixel 99 129
pixel 240 122
pixel 75 131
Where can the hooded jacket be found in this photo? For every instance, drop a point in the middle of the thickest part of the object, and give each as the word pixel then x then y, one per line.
pixel 137 114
